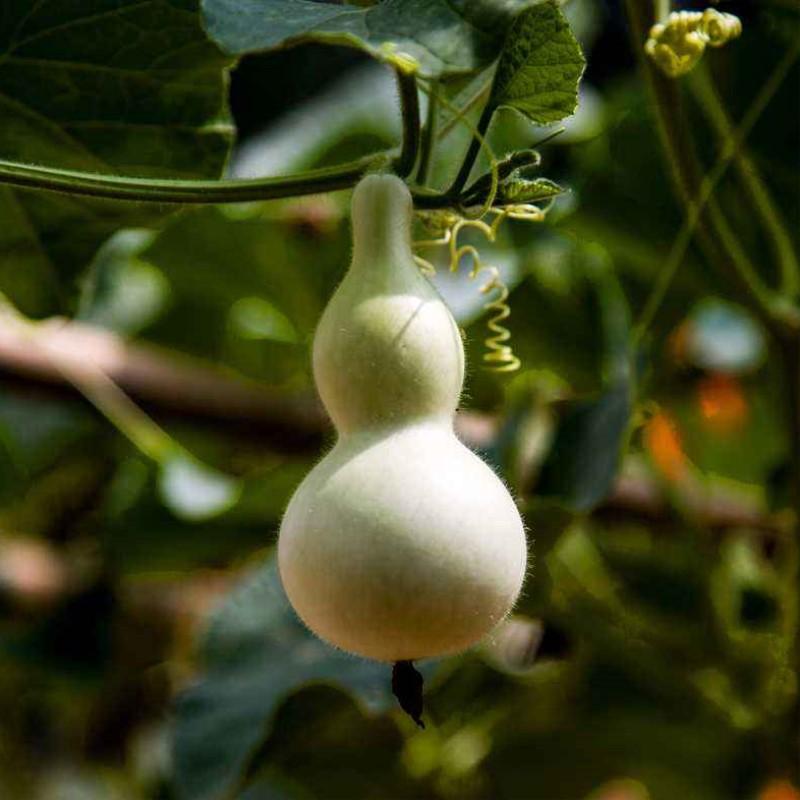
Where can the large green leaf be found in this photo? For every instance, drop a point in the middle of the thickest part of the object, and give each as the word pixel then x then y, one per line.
pixel 540 66
pixel 444 36
pixel 118 86
pixel 255 652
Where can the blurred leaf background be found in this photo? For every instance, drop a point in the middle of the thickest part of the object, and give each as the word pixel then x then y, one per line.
pixel 146 647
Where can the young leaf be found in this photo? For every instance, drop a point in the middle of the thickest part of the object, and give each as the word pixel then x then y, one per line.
pixel 517 191
pixel 540 66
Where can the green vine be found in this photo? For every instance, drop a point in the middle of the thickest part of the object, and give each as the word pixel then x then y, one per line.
pixel 735 138
pixel 153 190
pixel 202 192
pixel 326 179
pixel 714 232
pixel 474 149
pixel 704 217
pixel 761 201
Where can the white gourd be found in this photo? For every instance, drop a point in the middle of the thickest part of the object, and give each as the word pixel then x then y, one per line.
pixel 401 543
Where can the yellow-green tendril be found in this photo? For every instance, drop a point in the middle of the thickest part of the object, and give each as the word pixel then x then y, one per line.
pixel 677 44
pixel 499 356
pixel 446 225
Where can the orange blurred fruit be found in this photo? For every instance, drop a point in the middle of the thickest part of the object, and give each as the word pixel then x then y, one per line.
pixel 663 442
pixel 779 790
pixel 722 402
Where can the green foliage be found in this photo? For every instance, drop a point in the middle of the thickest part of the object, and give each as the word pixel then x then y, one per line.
pixel 106 86
pixel 444 38
pixel 539 69
pixel 586 450
pixel 654 649
pixel 255 651
pixel 588 444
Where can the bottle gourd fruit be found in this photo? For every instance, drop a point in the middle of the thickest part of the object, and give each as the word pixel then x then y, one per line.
pixel 401 543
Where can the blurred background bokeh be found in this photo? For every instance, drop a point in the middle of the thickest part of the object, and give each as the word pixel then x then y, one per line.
pixel 146 648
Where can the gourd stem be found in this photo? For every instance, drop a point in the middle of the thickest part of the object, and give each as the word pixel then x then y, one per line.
pixel 407 685
pixel 409 106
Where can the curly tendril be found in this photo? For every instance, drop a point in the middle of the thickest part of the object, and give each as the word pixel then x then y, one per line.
pixel 677 44
pixel 499 356
pixel 446 226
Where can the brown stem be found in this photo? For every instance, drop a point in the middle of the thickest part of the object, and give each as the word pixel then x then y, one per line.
pixel 165 381
pixel 162 378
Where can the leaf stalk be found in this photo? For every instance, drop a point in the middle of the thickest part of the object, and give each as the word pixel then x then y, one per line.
pixel 428 138
pixel 409 107
pixel 472 152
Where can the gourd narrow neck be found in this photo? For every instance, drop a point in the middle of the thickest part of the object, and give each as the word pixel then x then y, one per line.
pixel 387 352
pixel 382 211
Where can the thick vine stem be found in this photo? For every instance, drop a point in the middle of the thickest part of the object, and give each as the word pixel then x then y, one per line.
pixel 195 192
pixel 326 179
pixel 198 192
pixel 201 192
